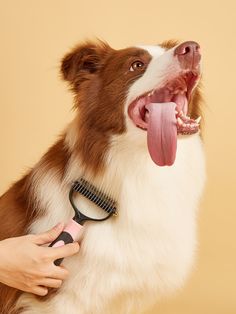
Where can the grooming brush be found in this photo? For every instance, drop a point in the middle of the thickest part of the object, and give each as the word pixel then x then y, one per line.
pixel 74 228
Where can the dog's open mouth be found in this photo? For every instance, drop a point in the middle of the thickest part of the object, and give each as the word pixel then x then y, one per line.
pixel 163 113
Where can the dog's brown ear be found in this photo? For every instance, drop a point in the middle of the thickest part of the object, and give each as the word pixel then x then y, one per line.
pixel 168 44
pixel 83 60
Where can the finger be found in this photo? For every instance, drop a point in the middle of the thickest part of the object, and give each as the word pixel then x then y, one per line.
pixel 50 283
pixel 58 272
pixel 38 290
pixel 64 251
pixel 49 235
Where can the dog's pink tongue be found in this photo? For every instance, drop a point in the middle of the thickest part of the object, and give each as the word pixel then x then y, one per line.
pixel 162 133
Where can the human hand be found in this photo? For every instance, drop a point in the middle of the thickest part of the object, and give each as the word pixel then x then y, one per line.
pixel 28 266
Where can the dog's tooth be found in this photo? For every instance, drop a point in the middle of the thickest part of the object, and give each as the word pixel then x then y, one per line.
pixel 198 120
pixel 180 122
pixel 181 114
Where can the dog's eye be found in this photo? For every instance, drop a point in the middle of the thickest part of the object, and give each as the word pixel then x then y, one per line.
pixel 136 65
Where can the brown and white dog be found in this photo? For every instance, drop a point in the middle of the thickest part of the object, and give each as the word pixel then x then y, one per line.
pixel 132 107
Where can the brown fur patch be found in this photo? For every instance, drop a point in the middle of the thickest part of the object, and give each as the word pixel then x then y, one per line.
pixel 57 158
pixel 100 78
pixel 19 208
pixel 16 209
pixel 168 44
pixel 8 297
pixel 15 217
pixel 195 109
pixel 195 103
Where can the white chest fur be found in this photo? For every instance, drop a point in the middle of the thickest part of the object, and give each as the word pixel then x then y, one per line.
pixel 127 263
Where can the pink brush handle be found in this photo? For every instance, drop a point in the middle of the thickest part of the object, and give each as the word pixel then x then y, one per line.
pixel 72 232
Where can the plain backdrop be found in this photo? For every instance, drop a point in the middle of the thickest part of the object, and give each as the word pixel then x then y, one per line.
pixel 35 106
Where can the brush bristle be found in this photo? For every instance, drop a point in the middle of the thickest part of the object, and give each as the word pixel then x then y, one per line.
pixel 94 195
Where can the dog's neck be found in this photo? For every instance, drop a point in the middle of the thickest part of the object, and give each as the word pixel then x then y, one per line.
pixel 123 152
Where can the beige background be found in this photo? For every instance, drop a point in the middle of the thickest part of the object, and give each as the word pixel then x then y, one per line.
pixel 35 106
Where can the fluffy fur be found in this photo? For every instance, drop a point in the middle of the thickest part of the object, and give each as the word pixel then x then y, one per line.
pixel 127 263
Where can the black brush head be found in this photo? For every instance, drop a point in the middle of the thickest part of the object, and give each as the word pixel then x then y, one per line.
pixel 96 196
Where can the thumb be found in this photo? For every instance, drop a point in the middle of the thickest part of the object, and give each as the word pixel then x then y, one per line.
pixel 50 235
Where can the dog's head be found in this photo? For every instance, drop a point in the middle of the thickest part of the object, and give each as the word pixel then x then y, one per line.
pixel 148 91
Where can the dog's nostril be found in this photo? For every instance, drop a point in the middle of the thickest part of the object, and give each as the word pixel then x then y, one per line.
pixel 187 49
pixel 188 54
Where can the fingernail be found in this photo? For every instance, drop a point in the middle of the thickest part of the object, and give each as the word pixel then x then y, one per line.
pixel 77 246
pixel 46 292
pixel 59 225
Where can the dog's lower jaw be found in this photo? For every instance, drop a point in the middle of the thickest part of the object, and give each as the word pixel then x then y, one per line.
pixel 126 265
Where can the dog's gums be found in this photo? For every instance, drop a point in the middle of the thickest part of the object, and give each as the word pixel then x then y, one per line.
pixel 177 90
pixel 163 113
